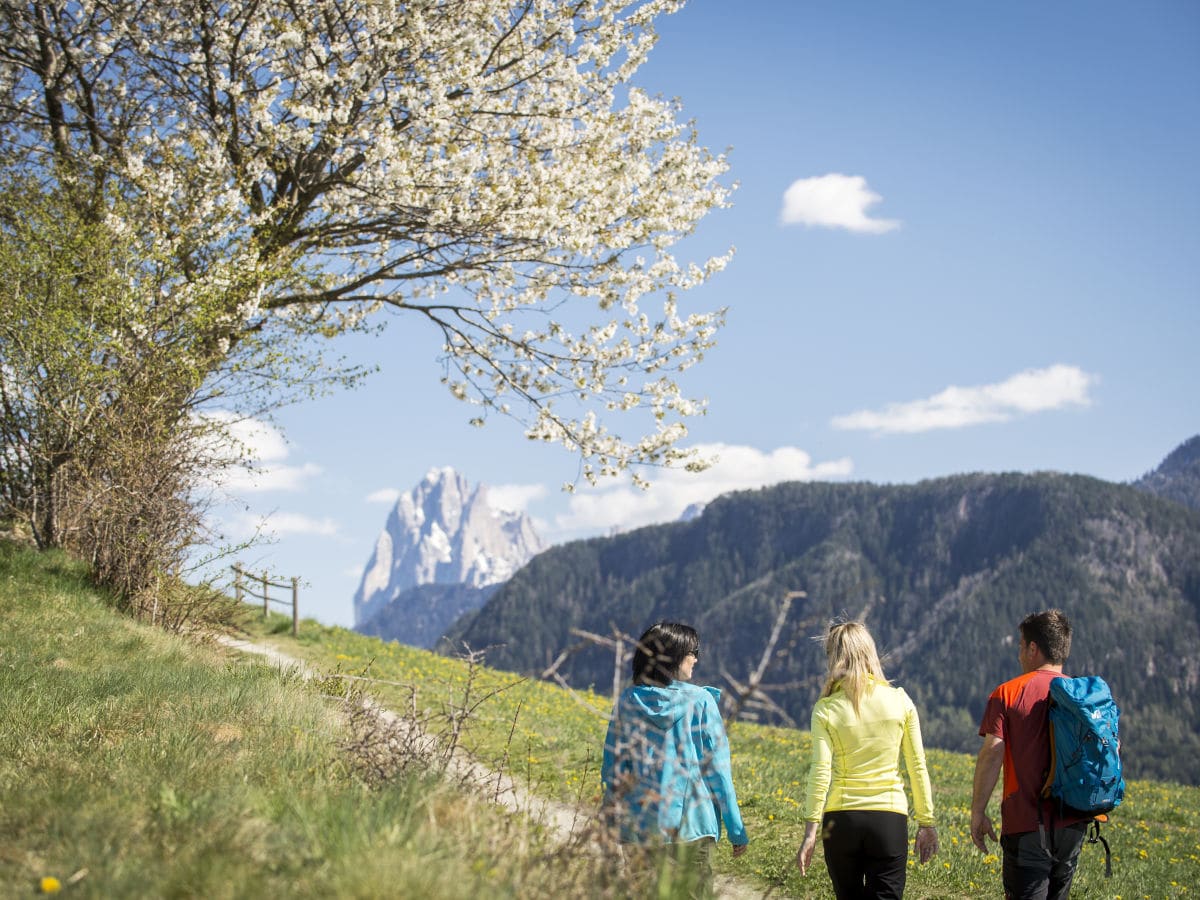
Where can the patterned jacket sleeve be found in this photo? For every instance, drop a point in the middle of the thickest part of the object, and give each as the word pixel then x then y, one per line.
pixel 610 762
pixel 718 772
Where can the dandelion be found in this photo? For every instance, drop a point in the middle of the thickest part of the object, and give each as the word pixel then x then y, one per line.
pixel 50 885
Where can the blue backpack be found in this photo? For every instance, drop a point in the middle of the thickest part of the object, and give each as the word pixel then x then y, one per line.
pixel 1085 760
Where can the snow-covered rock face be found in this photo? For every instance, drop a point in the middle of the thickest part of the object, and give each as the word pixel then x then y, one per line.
pixel 444 532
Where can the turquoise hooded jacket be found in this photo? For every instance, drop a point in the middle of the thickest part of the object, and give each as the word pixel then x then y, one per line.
pixel 666 770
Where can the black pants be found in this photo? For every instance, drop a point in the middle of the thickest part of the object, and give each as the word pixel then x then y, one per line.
pixel 1036 872
pixel 865 853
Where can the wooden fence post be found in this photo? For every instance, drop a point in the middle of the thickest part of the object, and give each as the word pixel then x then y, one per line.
pixel 295 606
pixel 237 583
pixel 266 595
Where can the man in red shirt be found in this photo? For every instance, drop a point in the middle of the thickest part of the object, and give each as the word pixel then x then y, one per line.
pixel 1039 862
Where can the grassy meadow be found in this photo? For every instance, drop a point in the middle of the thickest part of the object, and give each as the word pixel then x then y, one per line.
pixel 135 763
pixel 552 738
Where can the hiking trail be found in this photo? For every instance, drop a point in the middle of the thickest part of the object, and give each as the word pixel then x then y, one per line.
pixel 559 819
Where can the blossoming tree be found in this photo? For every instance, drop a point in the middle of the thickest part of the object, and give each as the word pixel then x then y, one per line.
pixel 484 165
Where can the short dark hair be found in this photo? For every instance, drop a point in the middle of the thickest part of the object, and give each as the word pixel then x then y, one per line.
pixel 661 650
pixel 1051 631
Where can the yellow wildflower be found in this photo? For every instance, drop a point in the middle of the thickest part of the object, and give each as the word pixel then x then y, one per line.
pixel 50 885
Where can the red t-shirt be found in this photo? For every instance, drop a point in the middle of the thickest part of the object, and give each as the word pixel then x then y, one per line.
pixel 1016 713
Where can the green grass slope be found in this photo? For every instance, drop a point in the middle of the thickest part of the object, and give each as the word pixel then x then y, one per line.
pixel 134 763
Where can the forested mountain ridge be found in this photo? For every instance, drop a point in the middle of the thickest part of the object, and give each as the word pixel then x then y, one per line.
pixel 1178 476
pixel 943 570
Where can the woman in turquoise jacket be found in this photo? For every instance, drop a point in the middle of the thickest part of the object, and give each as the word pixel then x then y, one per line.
pixel 666 773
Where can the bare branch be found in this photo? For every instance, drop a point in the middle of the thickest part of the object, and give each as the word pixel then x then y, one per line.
pixel 752 692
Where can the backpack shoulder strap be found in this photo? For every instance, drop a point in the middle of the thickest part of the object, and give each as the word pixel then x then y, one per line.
pixel 1094 837
pixel 1045 793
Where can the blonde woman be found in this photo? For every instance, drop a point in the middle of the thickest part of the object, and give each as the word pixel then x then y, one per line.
pixel 855 796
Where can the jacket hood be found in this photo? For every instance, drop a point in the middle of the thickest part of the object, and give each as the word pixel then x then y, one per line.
pixel 663 706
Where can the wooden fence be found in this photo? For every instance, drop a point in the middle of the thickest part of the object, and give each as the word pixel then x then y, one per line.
pixel 244 583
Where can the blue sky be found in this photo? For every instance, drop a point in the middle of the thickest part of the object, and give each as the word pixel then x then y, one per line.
pixel 967 240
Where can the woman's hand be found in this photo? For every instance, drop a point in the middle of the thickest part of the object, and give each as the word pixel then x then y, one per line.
pixel 926 843
pixel 805 854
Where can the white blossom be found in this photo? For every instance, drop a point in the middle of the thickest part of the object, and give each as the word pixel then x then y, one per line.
pixel 468 162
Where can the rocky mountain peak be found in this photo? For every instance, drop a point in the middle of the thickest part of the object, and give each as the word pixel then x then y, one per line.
pixel 443 531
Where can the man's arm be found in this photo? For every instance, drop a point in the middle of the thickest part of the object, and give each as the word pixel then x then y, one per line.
pixel 987 773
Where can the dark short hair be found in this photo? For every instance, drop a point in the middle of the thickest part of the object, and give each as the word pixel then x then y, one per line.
pixel 661 650
pixel 1051 631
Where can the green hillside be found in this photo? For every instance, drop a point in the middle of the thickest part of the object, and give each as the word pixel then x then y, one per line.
pixel 146 765
pixel 138 764
pixel 943 571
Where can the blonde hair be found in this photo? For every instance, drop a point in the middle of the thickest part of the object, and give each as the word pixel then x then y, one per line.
pixel 852 661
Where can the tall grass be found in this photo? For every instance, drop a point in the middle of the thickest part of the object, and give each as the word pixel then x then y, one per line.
pixel 552 738
pixel 136 764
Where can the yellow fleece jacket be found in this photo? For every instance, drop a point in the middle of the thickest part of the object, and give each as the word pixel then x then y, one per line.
pixel 856 758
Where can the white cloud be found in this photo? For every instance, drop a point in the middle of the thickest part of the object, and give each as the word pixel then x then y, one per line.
pixel 297 523
pixel 384 495
pixel 1031 391
pixel 270 478
pixel 515 497
pixel 833 201
pixel 279 524
pixel 262 440
pixel 619 507
pixel 264 448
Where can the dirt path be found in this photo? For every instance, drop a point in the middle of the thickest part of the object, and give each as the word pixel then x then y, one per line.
pixel 559 819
